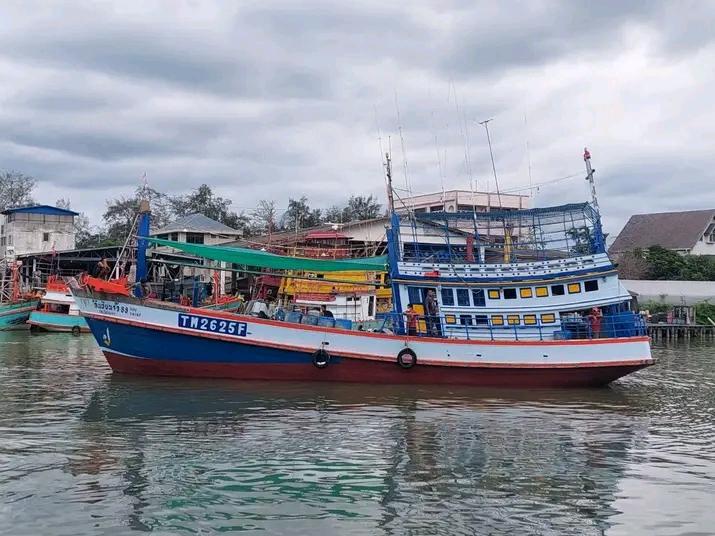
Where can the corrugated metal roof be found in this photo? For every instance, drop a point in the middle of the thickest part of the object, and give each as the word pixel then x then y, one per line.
pixel 671 230
pixel 42 209
pixel 197 223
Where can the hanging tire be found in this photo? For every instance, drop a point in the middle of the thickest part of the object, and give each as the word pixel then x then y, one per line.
pixel 321 358
pixel 407 359
pixel 76 331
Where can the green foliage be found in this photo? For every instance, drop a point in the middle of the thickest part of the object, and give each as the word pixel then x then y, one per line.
pixel 299 215
pixel 704 312
pixel 582 240
pixel 663 263
pixel 654 307
pixel 202 200
pixel 15 189
pixel 120 214
pixel 358 208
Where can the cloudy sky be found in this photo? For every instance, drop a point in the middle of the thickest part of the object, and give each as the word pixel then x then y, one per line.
pixel 266 100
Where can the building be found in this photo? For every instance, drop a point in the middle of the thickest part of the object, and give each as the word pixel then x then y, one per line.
pixel 462 201
pixel 198 229
pixel 36 229
pixel 690 232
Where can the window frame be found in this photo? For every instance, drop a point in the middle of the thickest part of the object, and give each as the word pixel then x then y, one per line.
pixel 442 295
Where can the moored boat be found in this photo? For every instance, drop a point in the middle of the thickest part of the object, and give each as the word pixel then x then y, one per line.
pixel 57 311
pixel 15 307
pixel 523 298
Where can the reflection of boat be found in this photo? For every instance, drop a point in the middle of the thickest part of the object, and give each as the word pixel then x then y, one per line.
pixel 14 308
pixel 474 322
pixel 58 310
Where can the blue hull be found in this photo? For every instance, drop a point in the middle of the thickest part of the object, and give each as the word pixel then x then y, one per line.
pixel 14 316
pixel 57 322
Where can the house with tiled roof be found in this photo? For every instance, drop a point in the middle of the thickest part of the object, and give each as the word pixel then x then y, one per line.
pixel 197 229
pixel 690 232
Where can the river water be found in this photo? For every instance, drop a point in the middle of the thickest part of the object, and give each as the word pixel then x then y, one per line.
pixel 83 451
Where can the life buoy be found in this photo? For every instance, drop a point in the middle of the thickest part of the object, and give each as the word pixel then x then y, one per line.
pixel 407 358
pixel 321 358
pixel 76 331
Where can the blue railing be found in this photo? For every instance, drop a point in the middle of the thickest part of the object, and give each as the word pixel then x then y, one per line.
pixel 625 324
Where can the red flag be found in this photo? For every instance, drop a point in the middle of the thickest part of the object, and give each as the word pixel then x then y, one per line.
pixel 586 154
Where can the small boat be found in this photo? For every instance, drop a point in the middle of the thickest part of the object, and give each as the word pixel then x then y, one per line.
pixel 14 307
pixel 57 310
pixel 506 298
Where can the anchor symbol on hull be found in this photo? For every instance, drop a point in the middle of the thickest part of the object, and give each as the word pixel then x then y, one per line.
pixel 106 339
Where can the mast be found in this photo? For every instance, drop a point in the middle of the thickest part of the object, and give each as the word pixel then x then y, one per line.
pixel 142 234
pixel 388 181
pixel 589 177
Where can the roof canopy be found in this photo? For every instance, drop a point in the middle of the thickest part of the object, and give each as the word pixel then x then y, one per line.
pixel 197 223
pixel 41 209
pixel 671 230
pixel 263 259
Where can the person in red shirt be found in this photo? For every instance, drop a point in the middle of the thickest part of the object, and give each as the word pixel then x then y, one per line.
pixel 411 316
pixel 594 319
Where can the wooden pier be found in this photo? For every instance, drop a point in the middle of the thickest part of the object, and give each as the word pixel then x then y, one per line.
pixel 674 332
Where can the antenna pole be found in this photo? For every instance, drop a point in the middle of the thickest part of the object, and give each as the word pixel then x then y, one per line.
pixel 388 178
pixel 589 177
pixel 485 124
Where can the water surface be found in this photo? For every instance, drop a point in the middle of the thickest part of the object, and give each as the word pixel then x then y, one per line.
pixel 84 451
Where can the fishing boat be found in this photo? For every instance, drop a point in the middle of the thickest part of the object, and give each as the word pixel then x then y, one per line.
pixel 524 298
pixel 57 310
pixel 15 307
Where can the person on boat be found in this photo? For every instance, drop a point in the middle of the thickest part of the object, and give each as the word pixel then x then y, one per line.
pixel 432 310
pixel 103 268
pixel 411 316
pixel 594 320
pixel 324 311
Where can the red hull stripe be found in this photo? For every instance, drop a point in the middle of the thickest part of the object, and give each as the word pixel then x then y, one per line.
pixel 285 325
pixel 374 372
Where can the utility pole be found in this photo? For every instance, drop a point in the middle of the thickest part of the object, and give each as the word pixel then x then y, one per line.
pixel 388 178
pixel 589 177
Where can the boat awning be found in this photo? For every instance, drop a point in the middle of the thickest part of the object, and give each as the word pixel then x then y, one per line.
pixel 263 259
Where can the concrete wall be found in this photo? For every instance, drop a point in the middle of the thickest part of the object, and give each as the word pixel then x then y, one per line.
pixel 29 236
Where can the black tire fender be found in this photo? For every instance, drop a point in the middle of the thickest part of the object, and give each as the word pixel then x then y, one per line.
pixel 407 358
pixel 321 358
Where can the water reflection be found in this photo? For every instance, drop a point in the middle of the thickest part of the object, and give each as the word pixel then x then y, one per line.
pixel 92 450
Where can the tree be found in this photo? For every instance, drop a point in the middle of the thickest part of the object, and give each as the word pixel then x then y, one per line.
pixel 299 215
pixel 122 212
pixel 632 265
pixel 204 201
pixel 84 236
pixel 334 214
pixel 15 189
pixel 361 208
pixel 663 263
pixel 582 239
pixel 264 217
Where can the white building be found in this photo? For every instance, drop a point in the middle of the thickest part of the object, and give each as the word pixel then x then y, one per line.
pixel 36 229
pixel 462 201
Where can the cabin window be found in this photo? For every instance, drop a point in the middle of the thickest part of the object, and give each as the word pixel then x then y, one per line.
pixel 542 291
pixel 478 297
pixel 525 292
pixel 414 294
pixel 465 320
pixel 548 318
pixel 481 320
pixel 509 293
pixel 590 286
pixel 463 297
pixel 512 320
pixel 447 296
pixel 195 238
pixel 371 306
pixel 497 320
pixel 529 320
pixel 557 290
pixel 574 288
pixel 450 319
pixel 174 237
pixel 45 237
pixel 493 294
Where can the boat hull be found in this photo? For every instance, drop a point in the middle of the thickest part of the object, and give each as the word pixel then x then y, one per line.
pixel 14 316
pixel 137 339
pixel 57 322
